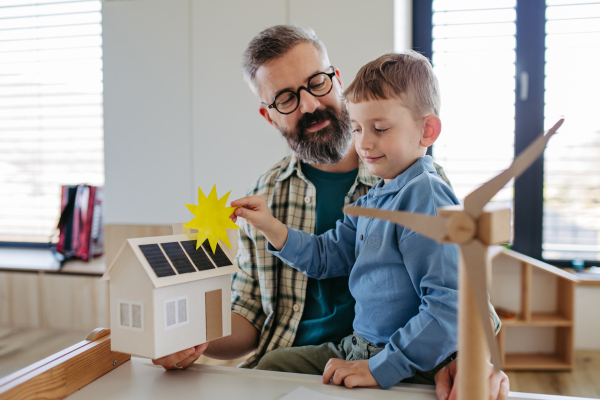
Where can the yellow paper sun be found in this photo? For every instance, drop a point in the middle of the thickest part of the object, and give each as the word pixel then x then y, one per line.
pixel 212 218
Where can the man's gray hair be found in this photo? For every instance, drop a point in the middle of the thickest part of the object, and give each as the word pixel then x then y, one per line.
pixel 272 43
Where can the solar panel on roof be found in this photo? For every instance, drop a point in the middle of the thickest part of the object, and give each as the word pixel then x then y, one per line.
pixel 157 260
pixel 198 257
pixel 218 257
pixel 178 257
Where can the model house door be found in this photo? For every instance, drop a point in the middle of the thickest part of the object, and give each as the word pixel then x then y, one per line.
pixel 214 314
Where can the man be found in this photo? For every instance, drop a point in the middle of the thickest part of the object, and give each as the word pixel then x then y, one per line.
pixel 274 305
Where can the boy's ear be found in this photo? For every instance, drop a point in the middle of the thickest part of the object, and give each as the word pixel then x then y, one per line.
pixel 432 126
pixel 265 113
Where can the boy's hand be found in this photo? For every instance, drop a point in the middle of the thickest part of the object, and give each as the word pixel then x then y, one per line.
pixel 349 373
pixel 254 209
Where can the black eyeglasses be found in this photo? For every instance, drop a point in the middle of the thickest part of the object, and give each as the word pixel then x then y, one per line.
pixel 318 85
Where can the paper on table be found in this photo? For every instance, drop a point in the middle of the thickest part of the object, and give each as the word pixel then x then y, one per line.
pixel 211 218
pixel 303 393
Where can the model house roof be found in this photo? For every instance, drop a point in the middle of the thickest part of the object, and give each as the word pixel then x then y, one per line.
pixel 496 251
pixel 170 260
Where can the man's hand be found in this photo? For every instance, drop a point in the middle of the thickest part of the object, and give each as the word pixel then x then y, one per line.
pixel 181 359
pixel 349 373
pixel 254 209
pixel 444 379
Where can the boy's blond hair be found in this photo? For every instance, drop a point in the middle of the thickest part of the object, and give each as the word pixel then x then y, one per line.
pixel 407 76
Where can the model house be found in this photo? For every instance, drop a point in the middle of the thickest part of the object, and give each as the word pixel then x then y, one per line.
pixel 166 296
pixel 536 303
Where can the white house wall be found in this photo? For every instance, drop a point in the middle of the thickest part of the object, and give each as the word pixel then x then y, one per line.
pixel 193 333
pixel 177 112
pixel 129 282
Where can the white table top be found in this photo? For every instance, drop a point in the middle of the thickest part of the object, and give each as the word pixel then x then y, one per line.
pixel 140 379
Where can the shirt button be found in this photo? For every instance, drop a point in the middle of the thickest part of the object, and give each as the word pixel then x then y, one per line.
pixel 361 237
pixel 307 199
pixel 296 307
pixel 354 340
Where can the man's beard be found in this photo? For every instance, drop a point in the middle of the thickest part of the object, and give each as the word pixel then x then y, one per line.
pixel 326 146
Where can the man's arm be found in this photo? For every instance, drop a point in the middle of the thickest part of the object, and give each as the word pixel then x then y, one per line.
pixel 498 383
pixel 243 340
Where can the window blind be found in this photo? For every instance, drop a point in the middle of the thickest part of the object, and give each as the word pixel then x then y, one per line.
pixel 51 113
pixel 572 160
pixel 474 60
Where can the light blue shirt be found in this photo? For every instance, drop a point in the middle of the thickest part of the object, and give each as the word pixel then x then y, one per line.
pixel 405 284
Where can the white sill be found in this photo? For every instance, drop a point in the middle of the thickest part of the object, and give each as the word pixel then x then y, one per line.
pixel 42 260
pixel 28 259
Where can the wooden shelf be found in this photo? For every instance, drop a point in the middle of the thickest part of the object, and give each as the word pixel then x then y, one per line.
pixel 539 319
pixel 560 320
pixel 538 362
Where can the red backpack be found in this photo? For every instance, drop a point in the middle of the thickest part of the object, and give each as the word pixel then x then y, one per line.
pixel 80 224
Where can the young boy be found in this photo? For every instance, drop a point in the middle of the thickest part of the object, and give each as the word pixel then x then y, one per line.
pixel 405 285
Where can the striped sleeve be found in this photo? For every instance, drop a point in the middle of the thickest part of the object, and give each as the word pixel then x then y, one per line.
pixel 245 288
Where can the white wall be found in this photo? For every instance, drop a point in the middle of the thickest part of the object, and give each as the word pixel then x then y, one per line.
pixel 178 114
pixel 403 25
pixel 587 318
pixel 147 115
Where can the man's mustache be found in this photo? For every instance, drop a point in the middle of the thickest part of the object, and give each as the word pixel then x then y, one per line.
pixel 314 118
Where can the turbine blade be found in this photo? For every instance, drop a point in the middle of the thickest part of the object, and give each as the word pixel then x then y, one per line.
pixel 429 226
pixel 476 200
pixel 476 262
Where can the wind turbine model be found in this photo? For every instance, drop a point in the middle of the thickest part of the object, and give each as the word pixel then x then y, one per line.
pixel 473 228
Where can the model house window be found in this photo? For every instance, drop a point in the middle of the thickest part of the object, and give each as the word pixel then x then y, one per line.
pixel 176 312
pixel 51 110
pixel 131 315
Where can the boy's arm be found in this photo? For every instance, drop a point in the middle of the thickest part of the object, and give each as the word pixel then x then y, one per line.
pixel 254 209
pixel 430 336
pixel 329 255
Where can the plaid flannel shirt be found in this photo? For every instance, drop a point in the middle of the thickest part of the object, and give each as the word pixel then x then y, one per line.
pixel 267 292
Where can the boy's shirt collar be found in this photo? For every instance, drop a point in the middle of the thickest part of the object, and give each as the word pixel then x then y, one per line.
pixel 423 164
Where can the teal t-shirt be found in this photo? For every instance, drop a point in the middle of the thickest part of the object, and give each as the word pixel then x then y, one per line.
pixel 329 307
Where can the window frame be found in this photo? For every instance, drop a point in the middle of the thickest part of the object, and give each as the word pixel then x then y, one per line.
pixel 41 241
pixel 176 300
pixel 528 211
pixel 130 304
